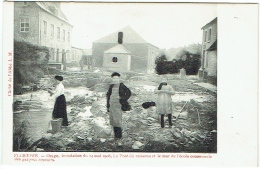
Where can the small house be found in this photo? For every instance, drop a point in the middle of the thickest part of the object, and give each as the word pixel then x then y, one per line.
pixel 209 51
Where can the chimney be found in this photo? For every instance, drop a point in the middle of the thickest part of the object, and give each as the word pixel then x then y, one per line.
pixel 120 37
pixel 54 10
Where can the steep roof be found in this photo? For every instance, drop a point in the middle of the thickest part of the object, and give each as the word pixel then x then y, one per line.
pixel 129 36
pixel 51 7
pixel 76 48
pixel 118 49
pixel 210 23
pixel 213 46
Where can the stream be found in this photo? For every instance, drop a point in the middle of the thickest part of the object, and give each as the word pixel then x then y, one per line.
pixel 39 113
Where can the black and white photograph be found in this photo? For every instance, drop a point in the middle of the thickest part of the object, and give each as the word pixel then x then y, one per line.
pixel 146 81
pixel 168 84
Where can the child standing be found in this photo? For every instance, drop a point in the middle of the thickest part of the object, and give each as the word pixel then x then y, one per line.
pixel 164 101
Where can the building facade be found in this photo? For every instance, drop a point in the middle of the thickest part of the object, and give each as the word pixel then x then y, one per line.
pixel 44 24
pixel 117 58
pixel 209 49
pixel 142 54
pixel 76 54
pixel 87 57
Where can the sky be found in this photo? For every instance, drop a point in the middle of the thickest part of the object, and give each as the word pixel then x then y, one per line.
pixel 164 25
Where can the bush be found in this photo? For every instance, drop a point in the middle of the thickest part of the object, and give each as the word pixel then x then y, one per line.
pixel 24 51
pixel 191 63
pixel 20 139
pixel 30 62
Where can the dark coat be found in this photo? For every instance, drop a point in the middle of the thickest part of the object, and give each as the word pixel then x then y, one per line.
pixel 124 94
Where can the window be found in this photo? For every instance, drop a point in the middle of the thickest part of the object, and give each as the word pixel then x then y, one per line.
pixel 58 32
pixel 114 59
pixel 25 3
pixel 24 25
pixel 205 36
pixel 52 30
pixel 68 36
pixel 44 27
pixel 63 35
pixel 209 35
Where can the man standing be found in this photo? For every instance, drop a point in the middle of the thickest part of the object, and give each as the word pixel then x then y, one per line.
pixel 117 97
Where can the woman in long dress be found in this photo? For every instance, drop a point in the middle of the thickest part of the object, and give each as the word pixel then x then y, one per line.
pixel 60 106
pixel 164 101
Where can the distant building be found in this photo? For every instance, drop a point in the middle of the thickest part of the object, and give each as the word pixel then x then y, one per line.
pixel 209 49
pixel 129 49
pixel 88 60
pixel 117 58
pixel 87 52
pixel 44 24
pixel 76 54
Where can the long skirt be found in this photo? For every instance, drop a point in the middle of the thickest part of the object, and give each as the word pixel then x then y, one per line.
pixel 60 110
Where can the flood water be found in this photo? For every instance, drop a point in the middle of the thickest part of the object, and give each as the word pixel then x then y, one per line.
pixel 37 119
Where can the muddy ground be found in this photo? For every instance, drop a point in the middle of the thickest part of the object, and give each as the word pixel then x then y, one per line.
pixel 195 129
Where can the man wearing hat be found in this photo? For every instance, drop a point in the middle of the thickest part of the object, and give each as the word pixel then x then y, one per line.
pixel 60 107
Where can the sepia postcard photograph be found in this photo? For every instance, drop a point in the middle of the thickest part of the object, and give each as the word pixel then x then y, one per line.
pixel 118 80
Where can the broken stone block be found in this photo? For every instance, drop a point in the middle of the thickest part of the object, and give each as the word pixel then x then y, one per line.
pixel 131 125
pixel 89 139
pixel 137 145
pixel 39 150
pixel 102 140
pixel 91 81
pixel 101 128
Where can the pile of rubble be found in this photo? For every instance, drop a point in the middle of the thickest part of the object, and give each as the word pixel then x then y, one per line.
pixel 89 128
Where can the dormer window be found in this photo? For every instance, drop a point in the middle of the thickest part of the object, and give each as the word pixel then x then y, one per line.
pixel 54 10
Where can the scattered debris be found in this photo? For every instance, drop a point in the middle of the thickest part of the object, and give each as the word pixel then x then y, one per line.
pixel 193 130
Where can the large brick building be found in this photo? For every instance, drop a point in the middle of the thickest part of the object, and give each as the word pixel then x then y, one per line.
pixel 209 49
pixel 44 24
pixel 134 50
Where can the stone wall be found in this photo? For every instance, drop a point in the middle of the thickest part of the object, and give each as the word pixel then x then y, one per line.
pixel 212 63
